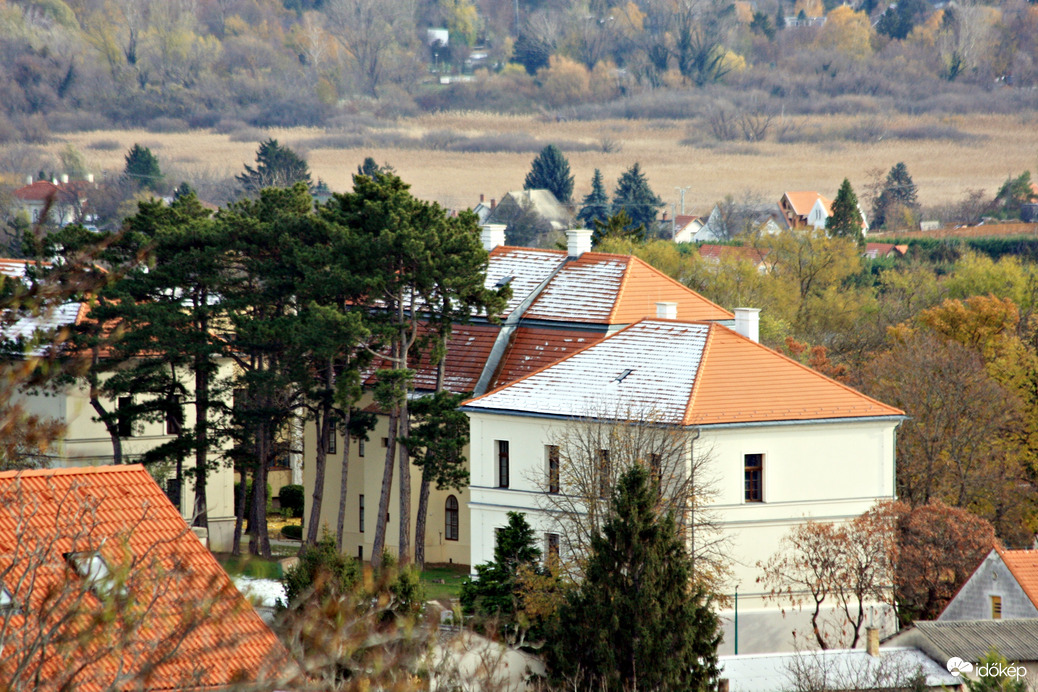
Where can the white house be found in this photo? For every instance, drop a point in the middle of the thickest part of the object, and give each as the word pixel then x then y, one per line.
pixel 85 441
pixel 807 208
pixel 63 200
pixel 785 443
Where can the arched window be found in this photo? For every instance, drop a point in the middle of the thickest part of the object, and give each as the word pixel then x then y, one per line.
pixel 451 518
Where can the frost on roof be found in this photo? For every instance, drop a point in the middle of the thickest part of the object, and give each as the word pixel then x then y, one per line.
pixel 584 291
pixel 662 358
pixel 528 268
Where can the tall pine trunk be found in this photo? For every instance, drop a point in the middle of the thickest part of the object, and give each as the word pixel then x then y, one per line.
pixel 404 424
pixel 379 544
pixel 201 510
pixel 111 426
pixel 341 523
pixel 260 543
pixel 241 497
pixel 423 490
pixel 323 427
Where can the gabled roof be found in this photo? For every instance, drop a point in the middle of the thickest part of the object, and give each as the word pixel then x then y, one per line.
pixel 531 349
pixel 682 220
pixel 521 268
pixel 602 288
pixel 801 201
pixel 543 202
pixel 685 374
pixel 37 191
pixel 1023 564
pixel 468 349
pixel 67 314
pixel 194 625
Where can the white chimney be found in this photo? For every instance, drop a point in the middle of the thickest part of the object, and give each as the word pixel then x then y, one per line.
pixel 747 323
pixel 493 235
pixel 28 180
pixel 578 241
pixel 90 177
pixel 64 178
pixel 667 310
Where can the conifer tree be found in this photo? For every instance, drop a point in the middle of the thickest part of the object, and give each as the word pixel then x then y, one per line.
pixel 845 220
pixel 899 196
pixel 276 166
pixel 495 589
pixel 637 621
pixel 595 206
pixel 142 169
pixel 634 196
pixel 550 171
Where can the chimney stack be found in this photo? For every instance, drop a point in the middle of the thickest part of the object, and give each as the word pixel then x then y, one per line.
pixel 667 310
pixel 90 177
pixel 493 235
pixel 872 641
pixel 481 198
pixel 64 178
pixel 493 203
pixel 28 180
pixel 578 241
pixel 747 323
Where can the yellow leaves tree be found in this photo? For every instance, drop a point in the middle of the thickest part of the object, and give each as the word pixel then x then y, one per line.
pixel 564 82
pixel 846 31
pixel 462 20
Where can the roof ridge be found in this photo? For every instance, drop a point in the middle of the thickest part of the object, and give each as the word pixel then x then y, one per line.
pixel 72 471
pixel 678 283
pixel 619 295
pixel 687 420
pixel 1021 582
pixel 551 365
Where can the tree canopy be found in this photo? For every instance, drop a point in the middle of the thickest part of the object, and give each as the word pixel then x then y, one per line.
pixel 276 166
pixel 550 171
pixel 634 196
pixel 595 206
pixel 845 219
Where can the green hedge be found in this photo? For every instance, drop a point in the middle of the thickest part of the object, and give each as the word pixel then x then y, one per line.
pixel 291 497
pixel 292 532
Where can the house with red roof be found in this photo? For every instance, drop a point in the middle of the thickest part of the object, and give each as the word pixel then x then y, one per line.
pixel 104 586
pixel 63 201
pixel 1003 587
pixel 562 301
pixel 781 442
pixel 85 441
pixel 808 209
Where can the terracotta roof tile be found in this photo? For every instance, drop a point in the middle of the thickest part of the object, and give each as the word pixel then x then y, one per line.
pixel 532 349
pixel 120 513
pixel 468 349
pixel 690 374
pixel 1024 566
pixel 802 200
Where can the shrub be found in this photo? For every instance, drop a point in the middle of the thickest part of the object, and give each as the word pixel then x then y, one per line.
pixel 292 532
pixel 164 124
pixel 248 495
pixel 291 497
pixel 323 567
pixel 105 145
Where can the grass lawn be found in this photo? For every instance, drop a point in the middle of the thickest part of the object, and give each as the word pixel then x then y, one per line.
pixel 451 577
pixel 249 566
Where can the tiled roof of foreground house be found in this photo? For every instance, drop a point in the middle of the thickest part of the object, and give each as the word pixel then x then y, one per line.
pixel 193 623
pixel 681 373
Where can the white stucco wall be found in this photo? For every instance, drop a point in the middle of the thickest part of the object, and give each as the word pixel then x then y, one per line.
pixel 823 471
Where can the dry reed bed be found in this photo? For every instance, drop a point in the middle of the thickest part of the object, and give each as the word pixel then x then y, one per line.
pixel 991 147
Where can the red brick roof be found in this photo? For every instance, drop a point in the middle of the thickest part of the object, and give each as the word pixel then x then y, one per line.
pixel 185 624
pixel 468 349
pixel 39 191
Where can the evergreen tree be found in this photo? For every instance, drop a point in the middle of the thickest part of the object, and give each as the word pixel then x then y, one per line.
pixel 634 196
pixel 636 621
pixel 1014 193
pixel 142 169
pixel 550 171
pixel 276 166
pixel 595 206
pixel 845 220
pixel 370 168
pixel 495 590
pixel 617 226
pixel 897 199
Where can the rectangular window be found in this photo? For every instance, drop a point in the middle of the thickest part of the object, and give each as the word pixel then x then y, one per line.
pixel 604 473
pixel 553 468
pixel 553 546
pixel 173 491
pixel 360 446
pixel 360 553
pixel 125 419
pixel 996 607
pixel 333 440
pixel 502 463
pixel 754 472
pixel 361 516
pixel 385 443
pixel 175 416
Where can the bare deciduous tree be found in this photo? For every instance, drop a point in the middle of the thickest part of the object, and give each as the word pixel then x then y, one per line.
pixel 585 460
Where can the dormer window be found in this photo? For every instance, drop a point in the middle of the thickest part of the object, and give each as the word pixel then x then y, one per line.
pixel 7 605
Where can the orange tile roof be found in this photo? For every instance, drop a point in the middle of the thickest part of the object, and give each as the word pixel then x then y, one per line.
pixel 37 191
pixel 801 201
pixel 182 615
pixel 1024 566
pixel 468 349
pixel 532 349
pixel 688 374
pixel 742 381
pixel 601 288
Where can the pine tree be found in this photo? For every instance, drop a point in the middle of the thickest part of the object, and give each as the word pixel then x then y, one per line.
pixel 495 589
pixel 897 199
pixel 370 168
pixel 142 169
pixel 276 166
pixel 845 220
pixel 595 206
pixel 550 171
pixel 634 196
pixel 637 621
pixel 617 226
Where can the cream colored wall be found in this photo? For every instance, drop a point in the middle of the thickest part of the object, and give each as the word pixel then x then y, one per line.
pixel 828 472
pixel 86 442
pixel 365 476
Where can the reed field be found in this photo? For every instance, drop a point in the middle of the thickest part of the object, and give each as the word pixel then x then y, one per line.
pixel 453 158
